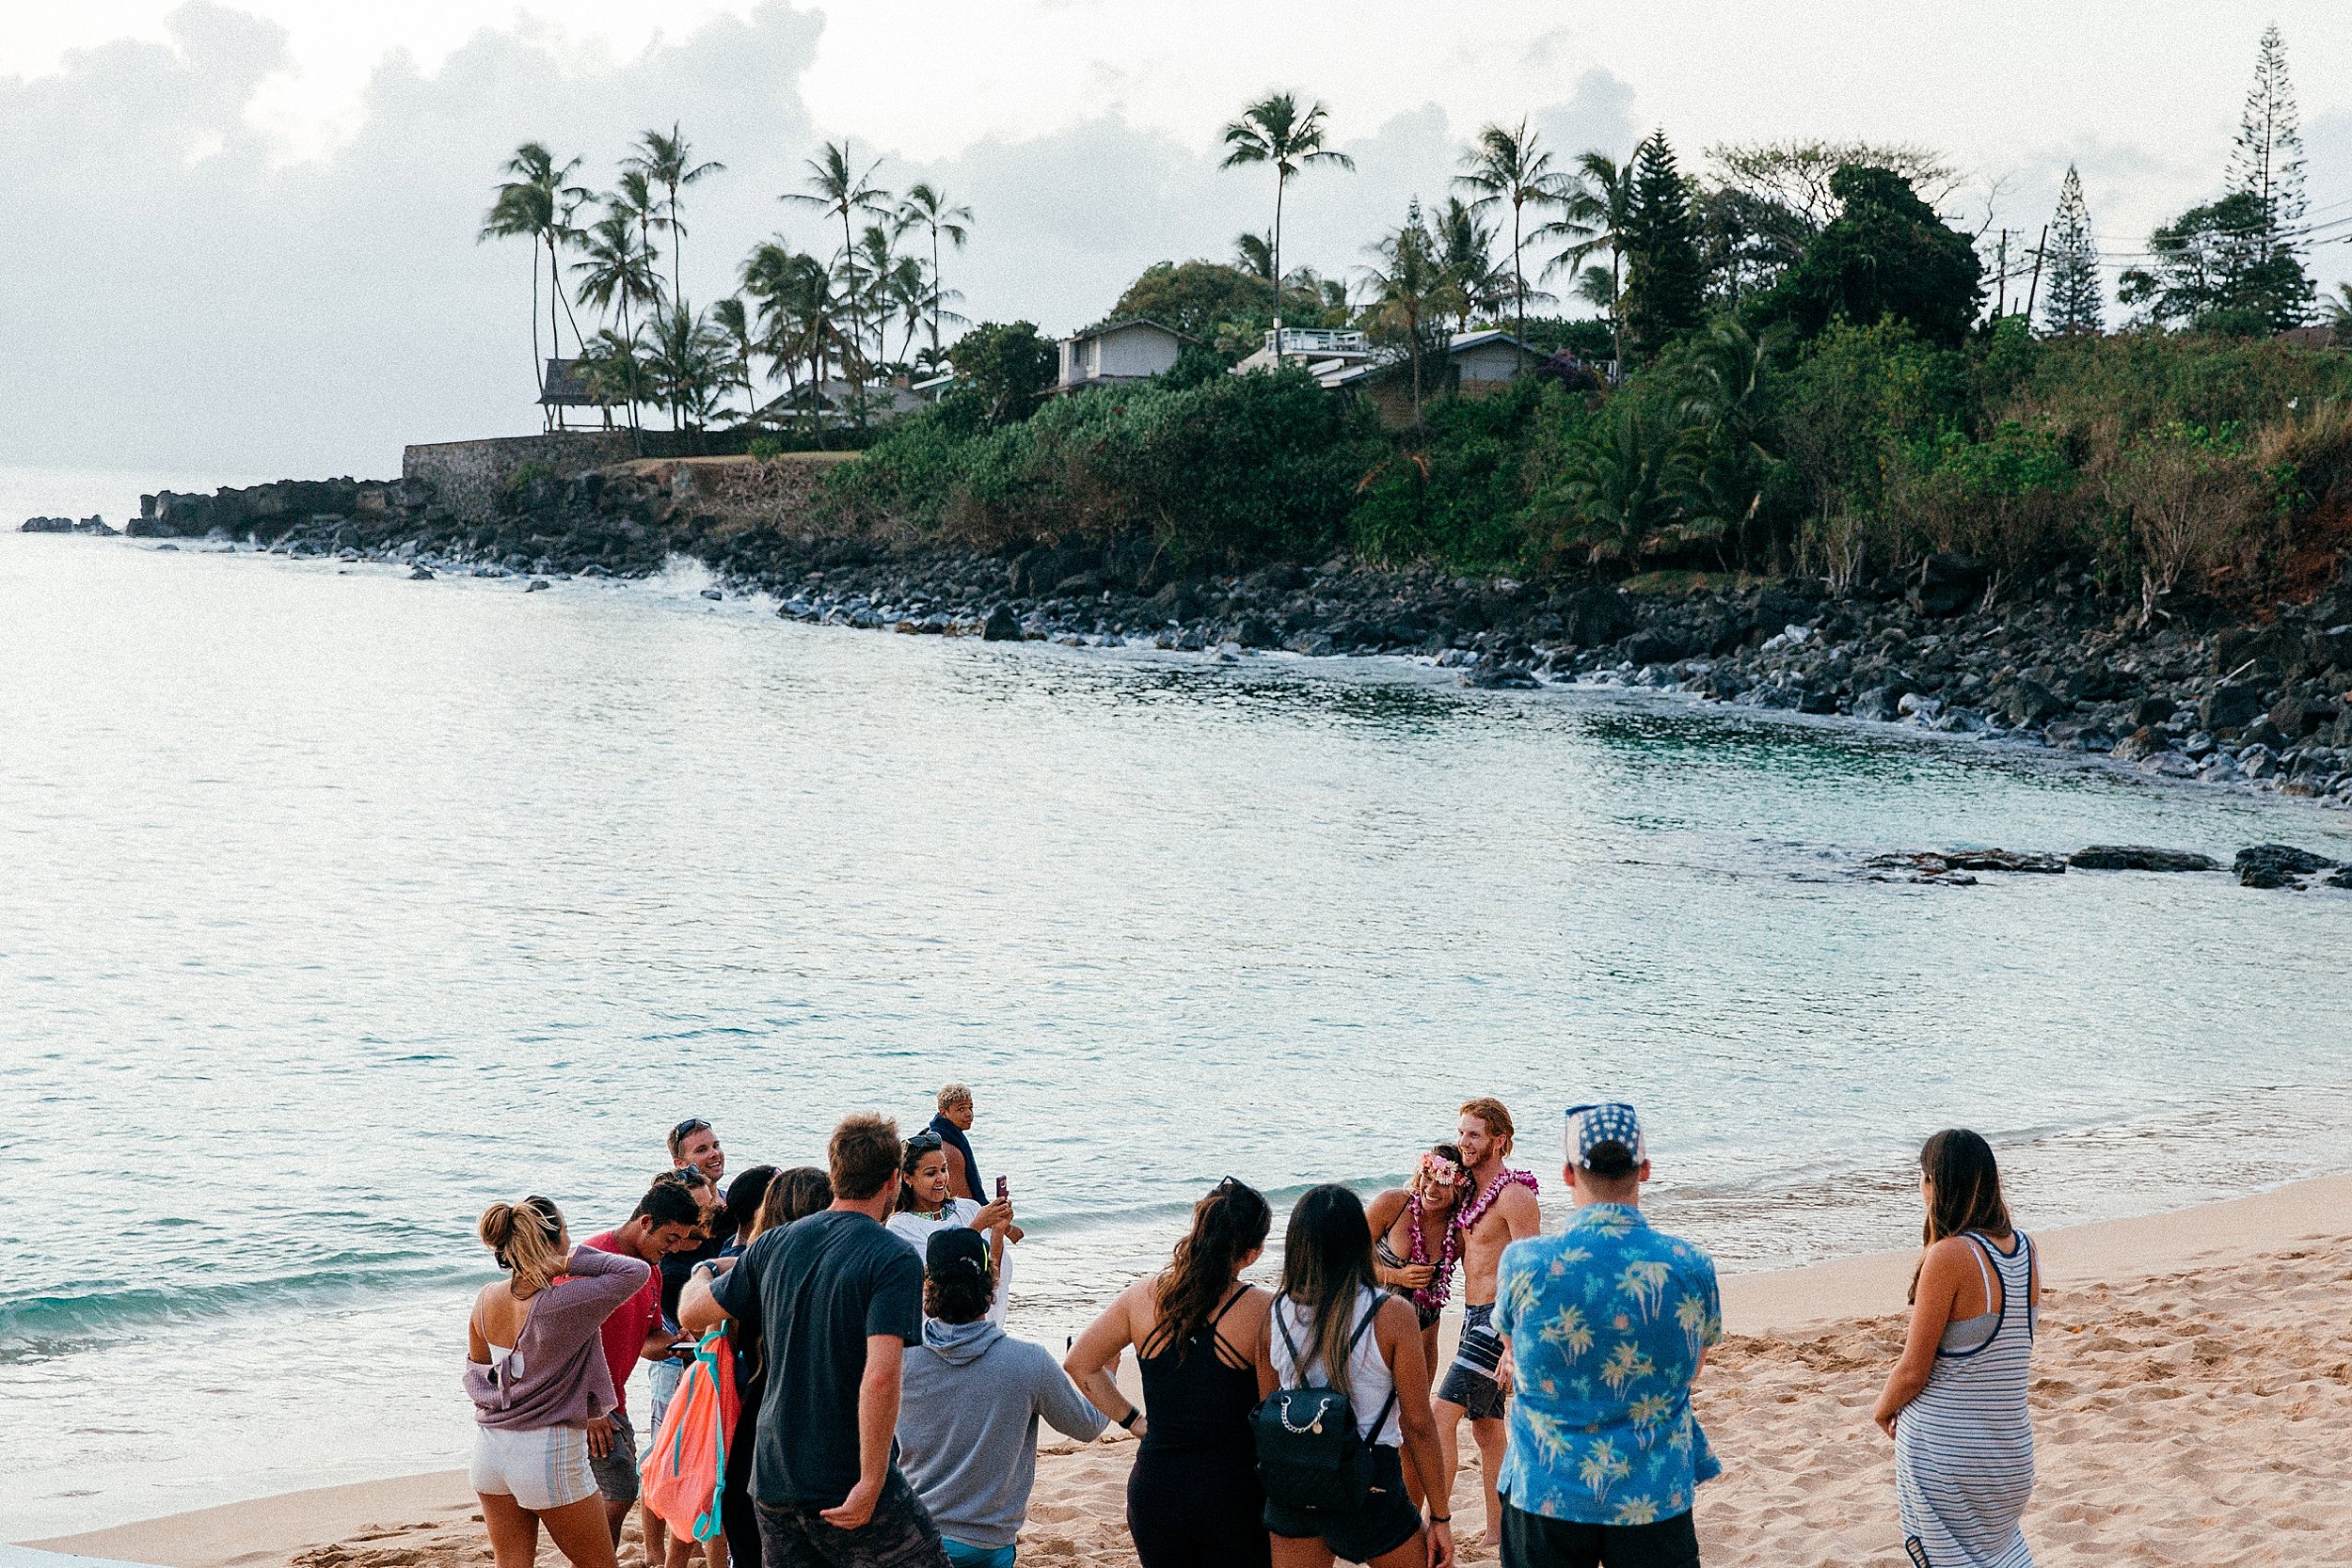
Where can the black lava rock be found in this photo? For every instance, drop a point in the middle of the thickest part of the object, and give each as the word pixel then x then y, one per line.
pixel 2139 856
pixel 2277 864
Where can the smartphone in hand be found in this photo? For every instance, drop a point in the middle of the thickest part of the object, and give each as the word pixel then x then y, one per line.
pixel 1001 1192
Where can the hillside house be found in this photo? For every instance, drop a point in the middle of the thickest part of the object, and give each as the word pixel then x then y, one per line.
pixel 1473 365
pixel 1118 352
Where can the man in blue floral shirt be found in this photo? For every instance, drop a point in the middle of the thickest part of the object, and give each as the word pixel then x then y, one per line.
pixel 1607 1324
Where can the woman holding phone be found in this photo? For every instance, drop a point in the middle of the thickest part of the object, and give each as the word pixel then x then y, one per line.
pixel 926 1205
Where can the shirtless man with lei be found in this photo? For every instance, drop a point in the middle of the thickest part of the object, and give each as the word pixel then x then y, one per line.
pixel 1498 1208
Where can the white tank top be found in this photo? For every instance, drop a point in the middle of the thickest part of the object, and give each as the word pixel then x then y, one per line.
pixel 1369 1384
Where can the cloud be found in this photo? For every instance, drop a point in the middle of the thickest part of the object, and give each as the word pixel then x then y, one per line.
pixel 187 299
pixel 193 300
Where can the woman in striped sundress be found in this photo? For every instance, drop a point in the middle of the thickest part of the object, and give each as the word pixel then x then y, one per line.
pixel 1955 1404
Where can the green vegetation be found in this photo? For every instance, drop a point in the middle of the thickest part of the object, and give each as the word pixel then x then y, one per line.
pixel 1792 370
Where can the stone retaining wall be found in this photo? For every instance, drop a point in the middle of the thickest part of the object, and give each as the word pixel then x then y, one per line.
pixel 466 478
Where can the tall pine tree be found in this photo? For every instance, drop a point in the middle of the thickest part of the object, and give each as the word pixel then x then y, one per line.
pixel 2073 303
pixel 1665 280
pixel 2266 163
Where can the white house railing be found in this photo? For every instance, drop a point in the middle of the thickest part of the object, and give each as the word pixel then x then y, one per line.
pixel 1318 341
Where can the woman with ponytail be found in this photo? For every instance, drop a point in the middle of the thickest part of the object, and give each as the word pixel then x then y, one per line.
pixel 536 1370
pixel 1955 1404
pixel 1193 1498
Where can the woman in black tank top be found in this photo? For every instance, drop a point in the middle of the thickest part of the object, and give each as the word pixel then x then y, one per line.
pixel 1193 1499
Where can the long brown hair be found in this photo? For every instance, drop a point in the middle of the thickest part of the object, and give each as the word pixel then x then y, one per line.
pixel 1327 1268
pixel 794 1195
pixel 1227 1225
pixel 1963 1192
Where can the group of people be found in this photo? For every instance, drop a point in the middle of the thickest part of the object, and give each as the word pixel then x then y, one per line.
pixel 889 1420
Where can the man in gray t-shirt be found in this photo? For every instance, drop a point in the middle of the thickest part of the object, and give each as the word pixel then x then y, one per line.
pixel 838 1300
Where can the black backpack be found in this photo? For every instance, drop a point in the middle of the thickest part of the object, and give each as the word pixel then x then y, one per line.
pixel 1310 1454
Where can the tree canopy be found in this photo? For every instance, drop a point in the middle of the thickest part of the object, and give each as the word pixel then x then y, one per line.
pixel 1885 255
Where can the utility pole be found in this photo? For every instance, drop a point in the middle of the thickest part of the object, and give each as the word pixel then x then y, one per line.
pixel 2000 298
pixel 2033 293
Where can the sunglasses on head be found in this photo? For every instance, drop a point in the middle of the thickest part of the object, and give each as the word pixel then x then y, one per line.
pixel 923 1143
pixel 687 1128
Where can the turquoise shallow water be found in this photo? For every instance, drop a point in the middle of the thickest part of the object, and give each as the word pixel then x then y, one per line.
pixel 338 905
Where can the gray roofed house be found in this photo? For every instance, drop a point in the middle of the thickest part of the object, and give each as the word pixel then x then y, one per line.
pixel 1117 352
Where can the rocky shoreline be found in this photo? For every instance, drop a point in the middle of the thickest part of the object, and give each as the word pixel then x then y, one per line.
pixel 2266 706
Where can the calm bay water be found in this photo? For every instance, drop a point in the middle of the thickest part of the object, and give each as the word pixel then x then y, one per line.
pixel 336 906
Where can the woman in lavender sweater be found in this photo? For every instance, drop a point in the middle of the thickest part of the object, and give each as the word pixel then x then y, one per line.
pixel 535 1368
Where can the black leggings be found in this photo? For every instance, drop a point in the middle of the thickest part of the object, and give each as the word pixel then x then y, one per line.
pixel 1188 1510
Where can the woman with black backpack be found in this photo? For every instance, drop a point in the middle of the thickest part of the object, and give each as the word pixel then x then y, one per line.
pixel 1347 1389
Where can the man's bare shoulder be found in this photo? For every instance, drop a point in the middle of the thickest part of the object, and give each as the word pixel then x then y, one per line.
pixel 1518 1202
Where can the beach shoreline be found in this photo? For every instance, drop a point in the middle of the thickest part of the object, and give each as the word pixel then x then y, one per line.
pixel 2140 1304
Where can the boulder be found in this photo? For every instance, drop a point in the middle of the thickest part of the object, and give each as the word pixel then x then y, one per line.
pixel 2277 864
pixel 1652 646
pixel 2341 878
pixel 2230 706
pixel 420 573
pixel 711 592
pixel 2081 735
pixel 2139 856
pixel 2263 733
pixel 2299 718
pixel 1002 626
pixel 2331 649
pixel 2142 742
pixel 1944 585
pixel 46 525
pixel 535 585
pixel 2153 710
pixel 2031 703
pixel 1879 703
pixel 1500 677
pixel 1594 617
pixel 2260 652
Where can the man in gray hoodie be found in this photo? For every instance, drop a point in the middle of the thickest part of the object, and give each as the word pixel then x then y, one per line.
pixel 969 1407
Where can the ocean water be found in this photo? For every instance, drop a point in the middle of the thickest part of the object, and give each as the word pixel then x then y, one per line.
pixel 336 906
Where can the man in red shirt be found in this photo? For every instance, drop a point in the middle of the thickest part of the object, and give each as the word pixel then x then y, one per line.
pixel 665 1222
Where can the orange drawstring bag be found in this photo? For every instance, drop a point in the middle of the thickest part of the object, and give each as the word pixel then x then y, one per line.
pixel 686 1469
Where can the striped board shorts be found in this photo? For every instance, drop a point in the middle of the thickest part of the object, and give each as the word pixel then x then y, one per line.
pixel 1470 1381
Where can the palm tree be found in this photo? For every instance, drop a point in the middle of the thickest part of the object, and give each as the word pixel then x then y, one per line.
pixel 835 187
pixel 770 276
pixel 632 192
pixel 612 366
pixel 910 293
pixel 1626 481
pixel 668 161
pixel 1254 254
pixel 1726 408
pixel 733 322
pixel 1464 251
pixel 1597 215
pixel 536 202
pixel 1410 287
pixel 619 273
pixel 1510 165
pixel 927 206
pixel 797 311
pixel 1276 131
pixel 686 360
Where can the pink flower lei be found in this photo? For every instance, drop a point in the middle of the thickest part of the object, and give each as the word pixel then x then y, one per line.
pixel 1471 1214
pixel 1431 1298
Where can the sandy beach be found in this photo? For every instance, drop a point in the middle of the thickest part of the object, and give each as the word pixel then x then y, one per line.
pixel 2192 1395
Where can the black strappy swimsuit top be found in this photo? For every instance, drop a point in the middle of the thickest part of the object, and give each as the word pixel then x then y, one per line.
pixel 1200 1403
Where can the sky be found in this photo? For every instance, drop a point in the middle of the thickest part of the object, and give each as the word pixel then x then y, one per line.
pixel 240 238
